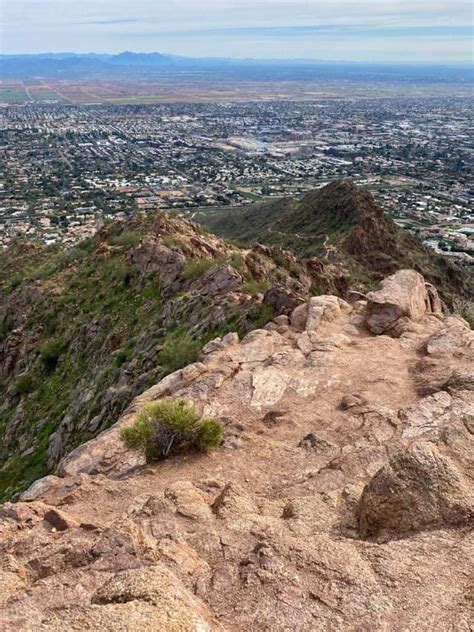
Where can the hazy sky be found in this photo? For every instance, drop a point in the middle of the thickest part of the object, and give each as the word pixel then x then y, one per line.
pixel 366 30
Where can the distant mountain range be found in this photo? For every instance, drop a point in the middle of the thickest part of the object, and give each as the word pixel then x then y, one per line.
pixel 131 65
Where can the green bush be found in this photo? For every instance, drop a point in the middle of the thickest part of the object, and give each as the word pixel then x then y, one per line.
pixel 237 261
pixel 279 257
pixel 122 355
pixel 254 287
pixel 24 384
pixel 50 353
pixel 179 350
pixel 196 268
pixel 14 281
pixel 295 270
pixel 117 272
pixel 7 324
pixel 126 239
pixel 164 428
pixel 465 309
pixel 260 315
pixel 173 242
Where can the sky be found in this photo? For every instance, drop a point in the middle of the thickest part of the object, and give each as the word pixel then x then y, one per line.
pixel 350 30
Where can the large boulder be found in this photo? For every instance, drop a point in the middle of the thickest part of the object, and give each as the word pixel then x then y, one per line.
pixel 318 310
pixel 149 598
pixel 418 489
pixel 453 340
pixel 401 295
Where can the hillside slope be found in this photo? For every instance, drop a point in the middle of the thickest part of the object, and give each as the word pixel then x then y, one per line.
pixel 341 498
pixel 341 223
pixel 84 331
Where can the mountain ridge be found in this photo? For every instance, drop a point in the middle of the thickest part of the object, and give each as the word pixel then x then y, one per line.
pixel 341 223
pixel 102 321
pixel 128 63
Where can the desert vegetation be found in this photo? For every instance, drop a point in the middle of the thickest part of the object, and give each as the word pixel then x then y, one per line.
pixel 164 428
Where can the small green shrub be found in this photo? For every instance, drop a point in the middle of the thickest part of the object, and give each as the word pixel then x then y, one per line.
pixel 208 434
pixel 14 281
pixel 260 315
pixel 254 287
pixel 24 384
pixel 236 261
pixel 196 268
pixel 7 324
pixel 121 356
pixel 465 309
pixel 295 270
pixel 43 271
pixel 315 290
pixel 50 353
pixel 278 257
pixel 173 242
pixel 163 428
pixel 179 350
pixel 118 272
pixel 88 245
pixel 126 239
pixel 152 292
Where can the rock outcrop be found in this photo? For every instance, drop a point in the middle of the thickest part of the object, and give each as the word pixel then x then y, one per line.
pixel 340 499
pixel 402 295
pixel 418 489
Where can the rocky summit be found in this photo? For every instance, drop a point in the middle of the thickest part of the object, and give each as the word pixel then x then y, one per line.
pixel 341 497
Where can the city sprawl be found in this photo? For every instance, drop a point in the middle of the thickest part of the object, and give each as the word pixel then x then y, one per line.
pixel 67 168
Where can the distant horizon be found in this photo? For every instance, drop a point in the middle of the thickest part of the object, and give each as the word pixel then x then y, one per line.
pixel 248 58
pixel 388 31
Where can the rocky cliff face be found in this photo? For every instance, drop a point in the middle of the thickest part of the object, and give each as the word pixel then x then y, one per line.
pixel 341 498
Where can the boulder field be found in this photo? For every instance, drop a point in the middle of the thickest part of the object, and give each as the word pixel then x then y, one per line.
pixel 340 499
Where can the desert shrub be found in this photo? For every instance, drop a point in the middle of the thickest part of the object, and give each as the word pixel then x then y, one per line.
pixel 295 270
pixel 14 281
pixel 196 268
pixel 465 309
pixel 179 351
pixel 70 256
pixel 87 245
pixel 43 271
pixel 278 257
pixel 121 356
pixel 117 272
pixel 236 261
pixel 260 315
pixel 24 384
pixel 126 239
pixel 163 428
pixel 50 353
pixel 254 287
pixel 173 242
pixel 7 324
